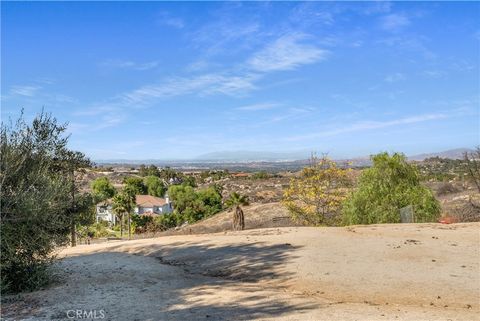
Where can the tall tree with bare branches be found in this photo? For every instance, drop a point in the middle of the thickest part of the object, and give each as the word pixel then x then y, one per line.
pixel 472 161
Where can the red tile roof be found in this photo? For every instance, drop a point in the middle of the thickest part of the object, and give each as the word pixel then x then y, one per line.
pixel 141 200
pixel 149 201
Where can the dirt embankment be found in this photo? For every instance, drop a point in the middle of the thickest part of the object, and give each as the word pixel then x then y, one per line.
pixel 256 216
pixel 378 272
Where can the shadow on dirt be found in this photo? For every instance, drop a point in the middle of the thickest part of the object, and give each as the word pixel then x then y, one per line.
pixel 177 281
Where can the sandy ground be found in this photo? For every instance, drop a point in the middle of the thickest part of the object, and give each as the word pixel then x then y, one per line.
pixel 378 272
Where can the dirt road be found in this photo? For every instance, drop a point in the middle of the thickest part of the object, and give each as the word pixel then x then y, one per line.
pixel 378 272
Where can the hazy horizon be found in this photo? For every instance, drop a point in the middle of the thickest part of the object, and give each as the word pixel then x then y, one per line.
pixel 173 81
pixel 241 156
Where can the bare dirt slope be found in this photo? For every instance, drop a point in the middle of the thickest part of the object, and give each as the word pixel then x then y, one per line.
pixel 378 272
pixel 256 216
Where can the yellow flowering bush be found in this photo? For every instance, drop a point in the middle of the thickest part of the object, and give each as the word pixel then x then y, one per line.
pixel 316 196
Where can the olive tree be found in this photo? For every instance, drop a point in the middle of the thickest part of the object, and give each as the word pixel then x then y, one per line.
pixel 38 203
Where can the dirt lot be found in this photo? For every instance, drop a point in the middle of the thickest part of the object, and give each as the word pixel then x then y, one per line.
pixel 378 272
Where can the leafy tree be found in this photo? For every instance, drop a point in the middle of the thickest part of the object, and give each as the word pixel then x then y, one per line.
pixel 168 173
pixel 137 184
pixel 315 197
pixel 72 164
pixel 211 199
pixel 151 170
pixel 236 200
pixel 182 196
pixel 102 189
pixel 38 197
pixel 155 186
pixel 188 180
pixel 85 209
pixel 192 206
pixel 389 185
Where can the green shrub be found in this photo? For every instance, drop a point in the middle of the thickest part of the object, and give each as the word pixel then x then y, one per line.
pixel 390 184
pixel 167 221
pixel 36 216
pixel 191 205
pixel 261 175
pixel 96 230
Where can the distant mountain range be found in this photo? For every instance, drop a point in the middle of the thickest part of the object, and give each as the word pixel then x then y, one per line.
pixel 302 155
pixel 451 153
pixel 258 156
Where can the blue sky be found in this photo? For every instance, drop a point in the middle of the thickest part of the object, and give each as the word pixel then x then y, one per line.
pixel 161 80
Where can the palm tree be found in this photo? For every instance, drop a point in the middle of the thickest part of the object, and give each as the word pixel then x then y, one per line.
pixel 124 202
pixel 129 193
pixel 119 207
pixel 236 200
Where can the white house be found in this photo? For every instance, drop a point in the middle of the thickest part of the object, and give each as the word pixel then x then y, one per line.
pixel 145 205
pixel 153 205
pixel 105 212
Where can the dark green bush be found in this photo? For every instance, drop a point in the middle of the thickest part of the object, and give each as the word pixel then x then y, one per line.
pixel 191 206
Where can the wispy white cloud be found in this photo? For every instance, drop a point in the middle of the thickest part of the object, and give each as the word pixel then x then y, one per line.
pixel 128 64
pixel 370 125
pixel 39 92
pixel 312 13
pixel 28 91
pixel 395 77
pixel 288 114
pixel 394 21
pixel 103 118
pixel 110 120
pixel 227 33
pixel 409 43
pixel 376 7
pixel 199 65
pixel 206 84
pixel 256 107
pixel 463 66
pixel 165 18
pixel 286 53
pixel 433 73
